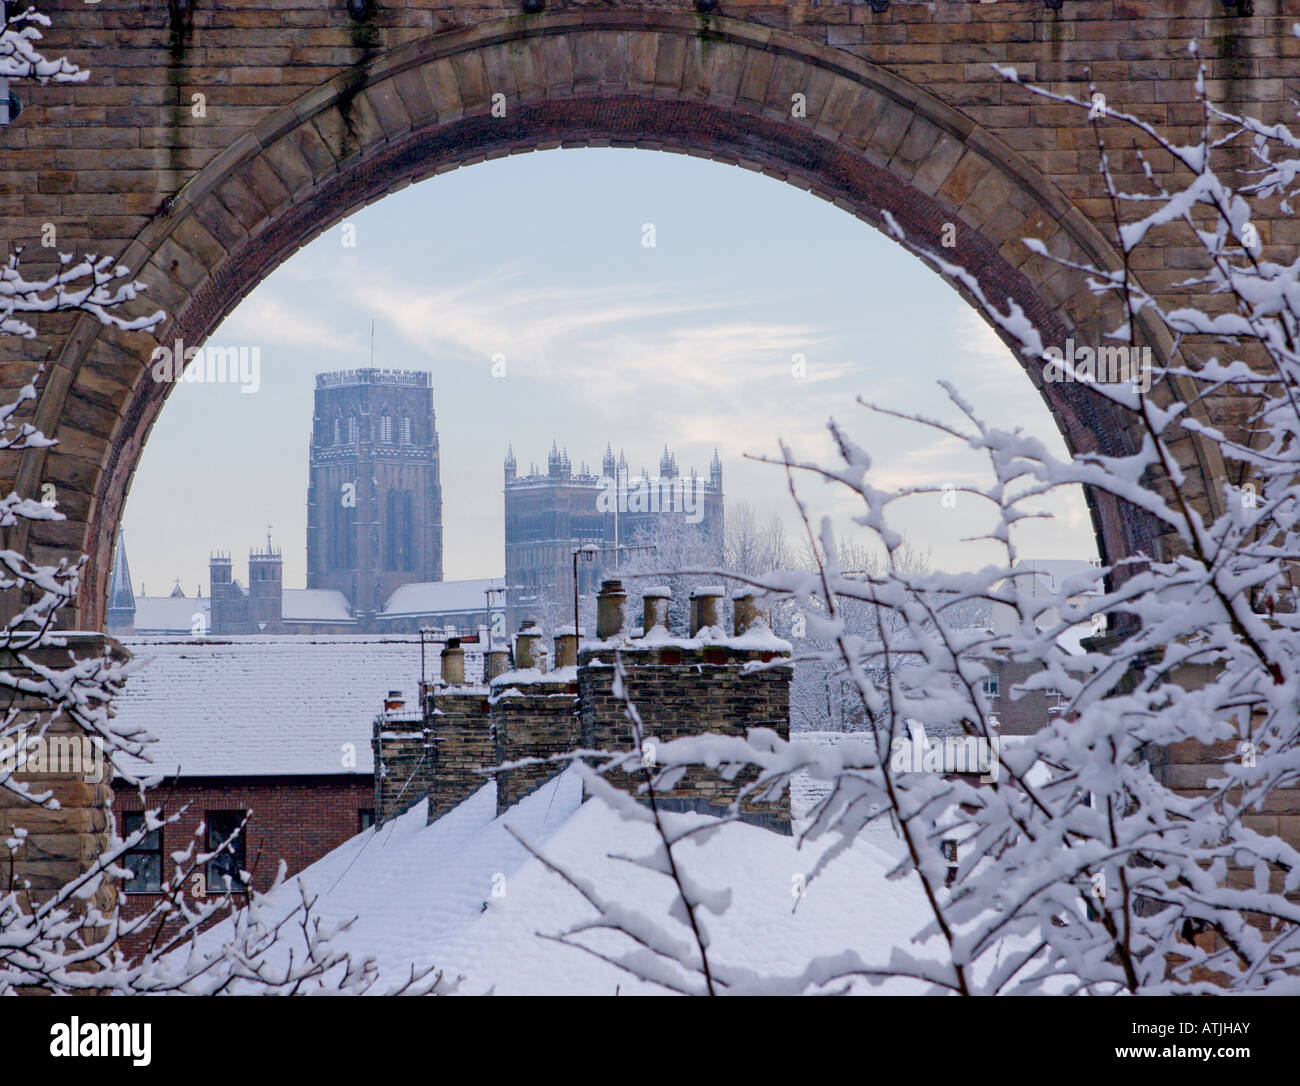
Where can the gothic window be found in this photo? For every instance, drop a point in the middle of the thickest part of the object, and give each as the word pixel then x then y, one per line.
pixel 408 531
pixel 385 429
pixel 393 542
pixel 338 432
pixel 399 544
pixel 342 537
pixel 406 430
pixel 352 429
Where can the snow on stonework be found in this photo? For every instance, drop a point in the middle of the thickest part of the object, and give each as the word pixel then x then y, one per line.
pixel 465 896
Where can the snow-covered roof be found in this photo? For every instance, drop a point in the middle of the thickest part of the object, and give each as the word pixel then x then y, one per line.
pixel 425 895
pixel 263 706
pixel 1050 573
pixel 439 597
pixel 315 605
pixel 1040 578
pixel 169 614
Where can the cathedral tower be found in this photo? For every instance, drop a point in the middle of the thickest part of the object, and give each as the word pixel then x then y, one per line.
pixel 374 500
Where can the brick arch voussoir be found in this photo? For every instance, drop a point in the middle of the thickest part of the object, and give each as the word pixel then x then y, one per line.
pixel 869 142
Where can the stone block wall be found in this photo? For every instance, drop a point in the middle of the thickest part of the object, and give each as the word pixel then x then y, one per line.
pixel 309 113
pixel 460 730
pixel 681 692
pixel 404 763
pixel 533 720
pixel 59 844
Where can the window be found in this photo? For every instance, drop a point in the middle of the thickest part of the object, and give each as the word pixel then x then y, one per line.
pixel 145 861
pixel 385 429
pixel 352 429
pixel 990 686
pixel 229 863
pixel 948 846
pixel 406 430
pixel 365 819
pixel 408 532
pixel 399 548
pixel 343 536
pixel 338 432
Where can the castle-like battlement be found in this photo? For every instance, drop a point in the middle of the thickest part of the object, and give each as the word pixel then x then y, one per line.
pixel 345 378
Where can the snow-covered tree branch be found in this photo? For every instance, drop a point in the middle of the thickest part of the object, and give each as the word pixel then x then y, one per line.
pixel 19 56
pixel 61 941
pixel 1078 869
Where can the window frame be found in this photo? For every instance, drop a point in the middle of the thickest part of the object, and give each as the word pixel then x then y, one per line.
pixel 132 821
pixel 238 855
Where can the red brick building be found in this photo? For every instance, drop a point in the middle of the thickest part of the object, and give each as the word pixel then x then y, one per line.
pixel 275 729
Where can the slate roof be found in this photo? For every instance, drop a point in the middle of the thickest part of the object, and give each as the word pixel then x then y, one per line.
pixel 264 706
pixel 440 597
pixel 170 614
pixel 315 605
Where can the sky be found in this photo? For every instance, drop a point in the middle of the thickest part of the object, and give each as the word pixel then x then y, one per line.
pixel 759 313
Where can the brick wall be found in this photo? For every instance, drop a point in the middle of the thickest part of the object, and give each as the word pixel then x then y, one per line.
pixel 535 720
pixel 295 819
pixel 681 692
pixel 678 691
pixel 461 734
pixel 63 843
pixel 1020 712
pixel 403 763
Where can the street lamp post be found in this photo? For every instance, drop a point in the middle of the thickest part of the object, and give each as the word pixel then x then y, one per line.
pixel 588 551
pixel 488 593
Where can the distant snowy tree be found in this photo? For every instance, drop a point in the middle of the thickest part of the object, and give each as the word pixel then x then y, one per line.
pixel 822 693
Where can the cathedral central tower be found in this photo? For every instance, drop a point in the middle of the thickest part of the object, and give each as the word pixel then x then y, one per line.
pixel 374 500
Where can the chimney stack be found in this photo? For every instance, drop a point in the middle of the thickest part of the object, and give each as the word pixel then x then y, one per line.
pixel 611 602
pixel 453 663
pixel 706 607
pixel 654 604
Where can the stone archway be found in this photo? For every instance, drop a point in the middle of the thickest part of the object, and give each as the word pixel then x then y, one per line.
pixel 871 141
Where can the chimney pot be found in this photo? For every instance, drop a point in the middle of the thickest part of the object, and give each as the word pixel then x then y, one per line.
pixel 745 612
pixel 453 663
pixel 654 608
pixel 611 602
pixel 706 607
pixel 526 655
pixel 497 662
pixel 566 647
